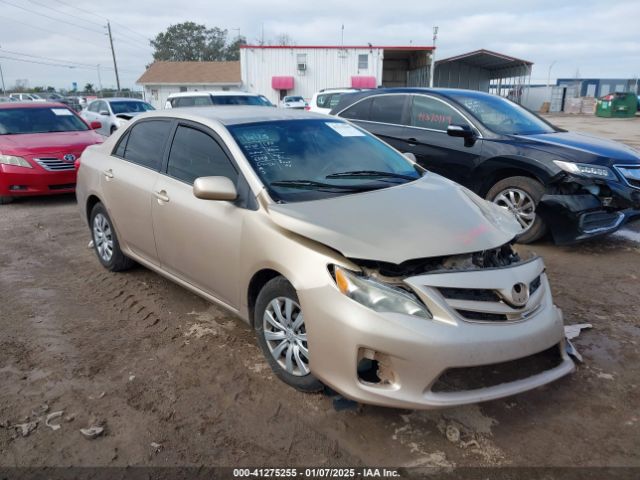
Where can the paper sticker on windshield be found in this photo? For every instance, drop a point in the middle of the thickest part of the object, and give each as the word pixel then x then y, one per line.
pixel 345 130
pixel 61 111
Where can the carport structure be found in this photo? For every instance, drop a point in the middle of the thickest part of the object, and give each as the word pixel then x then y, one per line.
pixel 486 71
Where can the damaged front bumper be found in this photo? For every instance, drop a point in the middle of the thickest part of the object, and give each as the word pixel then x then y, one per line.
pixel 590 210
pixel 477 347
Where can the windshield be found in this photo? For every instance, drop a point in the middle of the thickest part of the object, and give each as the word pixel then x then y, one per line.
pixel 301 160
pixel 39 120
pixel 293 99
pixel 240 100
pixel 501 115
pixel 124 106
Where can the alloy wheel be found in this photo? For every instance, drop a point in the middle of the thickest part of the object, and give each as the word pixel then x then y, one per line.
pixel 286 336
pixel 519 203
pixel 103 237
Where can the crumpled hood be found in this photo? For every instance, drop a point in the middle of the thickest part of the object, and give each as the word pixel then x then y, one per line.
pixel 580 144
pixel 429 217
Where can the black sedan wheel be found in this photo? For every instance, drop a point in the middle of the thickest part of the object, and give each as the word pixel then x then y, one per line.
pixel 520 195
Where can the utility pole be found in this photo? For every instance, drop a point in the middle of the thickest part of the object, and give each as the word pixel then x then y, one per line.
pixel 99 80
pixel 433 57
pixel 113 54
pixel 4 91
pixel 549 73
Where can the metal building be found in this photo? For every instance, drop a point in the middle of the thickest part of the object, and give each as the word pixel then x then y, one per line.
pixel 486 71
pixel 277 71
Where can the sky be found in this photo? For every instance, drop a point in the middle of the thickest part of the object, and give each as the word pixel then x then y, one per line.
pixel 67 38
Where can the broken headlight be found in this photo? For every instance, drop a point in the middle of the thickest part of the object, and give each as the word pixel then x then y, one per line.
pixel 586 170
pixel 378 296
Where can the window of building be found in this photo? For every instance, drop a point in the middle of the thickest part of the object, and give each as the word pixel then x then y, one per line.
pixel 145 145
pixel 195 154
pixel 301 61
pixel 183 89
pixel 430 113
pixel 363 61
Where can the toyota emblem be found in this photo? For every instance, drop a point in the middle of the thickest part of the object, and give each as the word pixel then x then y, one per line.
pixel 69 157
pixel 520 294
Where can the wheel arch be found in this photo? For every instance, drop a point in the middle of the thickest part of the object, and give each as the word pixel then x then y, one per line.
pixel 92 200
pixel 257 282
pixel 495 169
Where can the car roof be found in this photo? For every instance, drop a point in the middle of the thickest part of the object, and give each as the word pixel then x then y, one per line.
pixel 347 100
pixel 216 93
pixel 119 99
pixel 236 115
pixel 10 105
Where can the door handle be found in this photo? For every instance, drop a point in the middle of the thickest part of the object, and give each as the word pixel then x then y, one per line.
pixel 162 196
pixel 108 174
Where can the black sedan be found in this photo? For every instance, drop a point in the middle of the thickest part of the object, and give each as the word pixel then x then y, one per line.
pixel 574 185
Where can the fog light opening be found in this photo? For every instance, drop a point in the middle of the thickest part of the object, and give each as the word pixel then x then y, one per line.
pixel 374 368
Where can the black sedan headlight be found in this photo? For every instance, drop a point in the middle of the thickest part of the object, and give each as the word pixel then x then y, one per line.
pixel 586 170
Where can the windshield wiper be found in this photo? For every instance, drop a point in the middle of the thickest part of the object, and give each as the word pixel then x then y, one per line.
pixel 313 185
pixel 369 174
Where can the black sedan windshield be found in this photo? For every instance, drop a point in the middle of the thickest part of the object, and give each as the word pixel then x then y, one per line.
pixel 39 120
pixel 310 159
pixel 501 115
pixel 125 106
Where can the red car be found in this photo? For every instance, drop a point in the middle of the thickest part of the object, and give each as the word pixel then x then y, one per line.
pixel 39 146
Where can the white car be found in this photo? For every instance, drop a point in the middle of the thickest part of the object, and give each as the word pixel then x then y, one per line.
pixel 113 113
pixel 27 97
pixel 294 101
pixel 222 97
pixel 324 100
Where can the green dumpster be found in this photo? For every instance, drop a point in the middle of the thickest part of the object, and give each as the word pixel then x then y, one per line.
pixel 619 105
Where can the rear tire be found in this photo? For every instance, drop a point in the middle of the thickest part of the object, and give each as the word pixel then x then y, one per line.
pixel 5 200
pixel 527 193
pixel 105 241
pixel 281 334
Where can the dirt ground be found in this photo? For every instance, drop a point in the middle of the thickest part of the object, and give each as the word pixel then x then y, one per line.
pixel 154 364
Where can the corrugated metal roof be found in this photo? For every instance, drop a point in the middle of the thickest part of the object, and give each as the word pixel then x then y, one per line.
pixel 191 73
pixel 487 59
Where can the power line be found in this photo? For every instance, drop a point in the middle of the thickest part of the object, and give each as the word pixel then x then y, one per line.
pixel 12 20
pixel 48 16
pixel 65 13
pixel 47 58
pixel 40 63
pixel 103 18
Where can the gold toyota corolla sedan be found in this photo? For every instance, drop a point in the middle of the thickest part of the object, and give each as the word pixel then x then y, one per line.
pixel 357 268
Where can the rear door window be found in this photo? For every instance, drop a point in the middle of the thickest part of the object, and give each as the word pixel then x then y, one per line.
pixel 145 145
pixel 427 112
pixel 196 154
pixel 359 111
pixel 388 109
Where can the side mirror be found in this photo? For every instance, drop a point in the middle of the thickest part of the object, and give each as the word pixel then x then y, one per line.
pixel 95 125
pixel 410 156
pixel 105 113
pixel 462 131
pixel 214 188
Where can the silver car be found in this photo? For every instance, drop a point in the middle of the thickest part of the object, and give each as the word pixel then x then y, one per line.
pixel 112 113
pixel 357 268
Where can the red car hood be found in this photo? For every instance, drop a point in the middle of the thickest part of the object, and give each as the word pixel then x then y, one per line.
pixel 36 143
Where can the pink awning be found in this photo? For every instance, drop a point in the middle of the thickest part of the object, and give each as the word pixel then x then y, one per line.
pixel 282 83
pixel 363 82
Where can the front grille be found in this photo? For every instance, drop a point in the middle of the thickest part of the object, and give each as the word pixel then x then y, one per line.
pixel 64 186
pixel 595 221
pixel 471 294
pixel 484 376
pixel 456 298
pixel 632 182
pixel 54 164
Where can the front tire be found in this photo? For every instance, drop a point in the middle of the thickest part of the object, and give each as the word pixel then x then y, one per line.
pixel 281 332
pixel 105 241
pixel 521 196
